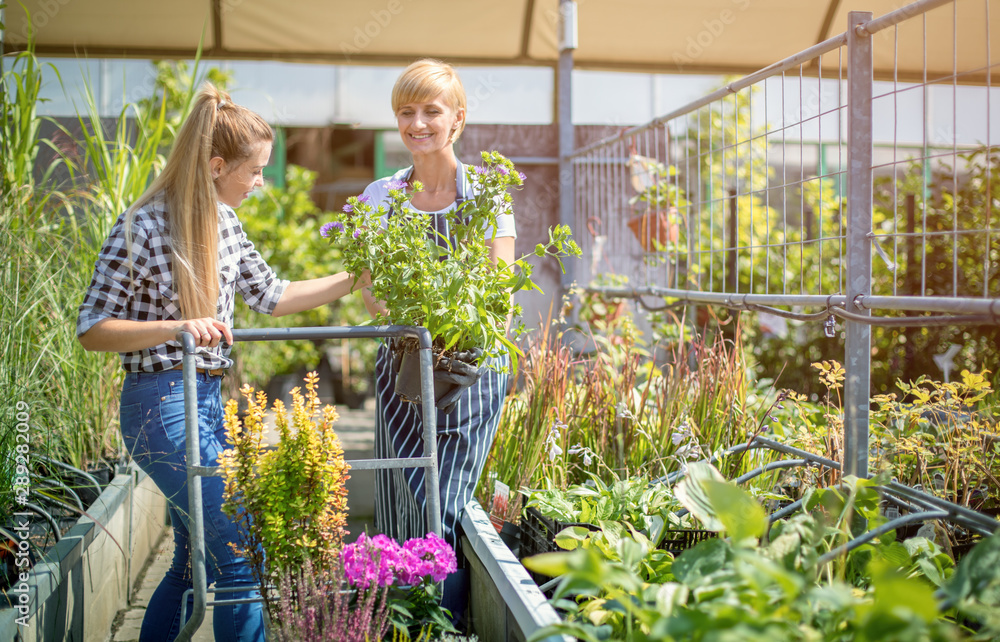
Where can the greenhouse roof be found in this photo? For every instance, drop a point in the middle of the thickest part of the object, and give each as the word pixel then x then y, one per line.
pixel 661 36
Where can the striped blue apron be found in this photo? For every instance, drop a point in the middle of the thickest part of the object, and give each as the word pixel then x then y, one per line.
pixel 464 438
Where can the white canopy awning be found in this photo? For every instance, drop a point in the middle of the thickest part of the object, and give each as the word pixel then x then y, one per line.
pixel 661 36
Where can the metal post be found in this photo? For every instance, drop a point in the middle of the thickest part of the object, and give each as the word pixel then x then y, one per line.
pixel 731 243
pixel 431 485
pixel 564 104
pixel 857 358
pixel 196 526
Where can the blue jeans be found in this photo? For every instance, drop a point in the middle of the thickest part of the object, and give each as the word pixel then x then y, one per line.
pixel 152 421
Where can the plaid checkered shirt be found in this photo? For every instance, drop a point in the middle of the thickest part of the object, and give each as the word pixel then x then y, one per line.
pixel 146 292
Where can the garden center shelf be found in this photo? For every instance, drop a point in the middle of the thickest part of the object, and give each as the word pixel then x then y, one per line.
pixel 196 471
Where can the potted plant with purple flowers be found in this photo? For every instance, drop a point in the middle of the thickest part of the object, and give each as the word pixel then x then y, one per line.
pixel 378 584
pixel 410 573
pixel 452 289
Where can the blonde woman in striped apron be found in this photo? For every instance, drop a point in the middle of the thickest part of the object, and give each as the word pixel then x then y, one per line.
pixel 429 103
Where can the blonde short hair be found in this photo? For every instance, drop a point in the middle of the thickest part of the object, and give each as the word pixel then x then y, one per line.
pixel 425 80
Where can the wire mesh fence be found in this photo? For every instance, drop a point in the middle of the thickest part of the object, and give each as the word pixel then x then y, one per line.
pixel 812 190
pixel 744 192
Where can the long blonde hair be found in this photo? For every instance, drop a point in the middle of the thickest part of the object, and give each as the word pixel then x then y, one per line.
pixel 215 127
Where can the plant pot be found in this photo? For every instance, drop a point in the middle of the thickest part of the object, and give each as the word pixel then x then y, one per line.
pixel 654 230
pixel 408 380
pixel 78 585
pixel 453 372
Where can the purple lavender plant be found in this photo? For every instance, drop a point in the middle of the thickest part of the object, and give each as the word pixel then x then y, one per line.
pixel 313 608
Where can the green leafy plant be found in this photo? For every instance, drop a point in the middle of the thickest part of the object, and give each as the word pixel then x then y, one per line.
pixel 454 291
pixel 49 248
pixel 943 436
pixel 791 586
pixel 291 501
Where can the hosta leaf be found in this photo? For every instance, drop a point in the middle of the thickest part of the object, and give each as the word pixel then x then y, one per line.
pixel 692 495
pixel 572 537
pixel 742 516
pixel 551 564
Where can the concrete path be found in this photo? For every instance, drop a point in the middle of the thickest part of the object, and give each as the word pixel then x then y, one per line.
pixel 356 431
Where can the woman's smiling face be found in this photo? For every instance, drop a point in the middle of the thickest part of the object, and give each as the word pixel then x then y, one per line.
pixel 427 127
pixel 234 183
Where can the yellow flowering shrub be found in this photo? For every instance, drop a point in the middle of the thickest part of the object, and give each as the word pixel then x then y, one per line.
pixel 290 500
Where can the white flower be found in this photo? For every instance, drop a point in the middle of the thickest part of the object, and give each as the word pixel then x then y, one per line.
pixel 683 432
pixel 582 450
pixel 553 440
pixel 622 412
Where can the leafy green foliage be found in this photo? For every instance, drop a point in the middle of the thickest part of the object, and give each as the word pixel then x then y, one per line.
pixel 614 415
pixel 944 437
pixel 456 291
pixel 643 507
pixel 744 588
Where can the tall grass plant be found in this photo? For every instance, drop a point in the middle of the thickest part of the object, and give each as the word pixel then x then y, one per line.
pixel 50 236
pixel 613 414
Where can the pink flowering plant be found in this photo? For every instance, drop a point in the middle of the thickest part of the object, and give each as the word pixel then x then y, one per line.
pixel 407 575
pixel 454 289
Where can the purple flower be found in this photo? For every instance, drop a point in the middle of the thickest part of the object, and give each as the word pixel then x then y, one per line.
pixel 423 557
pixel 349 207
pixel 357 233
pixel 371 561
pixel 522 176
pixel 396 184
pixel 328 228
pixel 503 170
pixel 479 169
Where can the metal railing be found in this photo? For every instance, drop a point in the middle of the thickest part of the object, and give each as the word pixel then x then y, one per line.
pixel 195 471
pixel 721 202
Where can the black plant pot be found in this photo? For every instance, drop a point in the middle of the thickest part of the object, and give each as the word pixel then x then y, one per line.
pixel 408 380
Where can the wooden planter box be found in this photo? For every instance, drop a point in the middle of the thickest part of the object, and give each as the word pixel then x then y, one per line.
pixel 505 604
pixel 83 581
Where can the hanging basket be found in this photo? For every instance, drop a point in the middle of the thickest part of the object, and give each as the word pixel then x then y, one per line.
pixel 655 230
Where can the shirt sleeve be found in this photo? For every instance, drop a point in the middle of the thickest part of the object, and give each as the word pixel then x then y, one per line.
pixel 112 286
pixel 257 282
pixel 505 226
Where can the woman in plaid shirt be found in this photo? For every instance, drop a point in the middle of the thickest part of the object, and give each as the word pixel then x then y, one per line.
pixel 174 261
